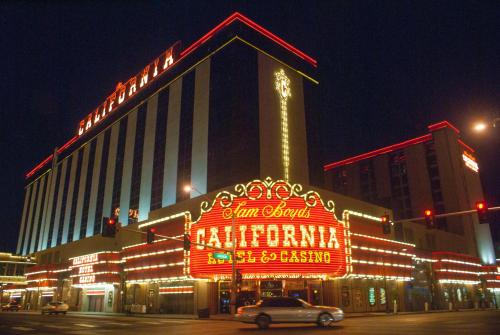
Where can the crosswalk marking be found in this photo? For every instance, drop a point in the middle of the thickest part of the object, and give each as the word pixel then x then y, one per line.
pixel 85 325
pixel 22 328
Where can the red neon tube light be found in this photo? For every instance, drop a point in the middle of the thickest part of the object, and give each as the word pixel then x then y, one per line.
pixel 377 152
pixel 255 26
pixel 443 124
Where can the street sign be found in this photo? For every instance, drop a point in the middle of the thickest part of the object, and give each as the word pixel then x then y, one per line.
pixel 221 255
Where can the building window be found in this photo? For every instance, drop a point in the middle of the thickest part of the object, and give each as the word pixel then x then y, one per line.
pixel 137 162
pixel 74 200
pixel 31 226
pixel 86 194
pixel 159 152
pixel 340 181
pixel 367 181
pixel 435 183
pixel 54 205
pixel 40 219
pixel 185 136
pixel 102 183
pixel 233 130
pixel 64 198
pixel 430 240
pixel 399 186
pixel 409 237
pixel 120 152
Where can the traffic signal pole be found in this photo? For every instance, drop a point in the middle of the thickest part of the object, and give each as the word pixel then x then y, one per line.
pixel 231 251
pixel 233 268
pixel 491 209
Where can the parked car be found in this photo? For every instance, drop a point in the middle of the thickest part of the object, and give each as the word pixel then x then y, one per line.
pixel 11 306
pixel 288 310
pixel 55 307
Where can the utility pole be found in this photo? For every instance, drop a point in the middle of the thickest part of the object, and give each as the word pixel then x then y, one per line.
pixel 233 268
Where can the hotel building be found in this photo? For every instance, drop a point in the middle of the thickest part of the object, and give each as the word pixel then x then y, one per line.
pixel 234 116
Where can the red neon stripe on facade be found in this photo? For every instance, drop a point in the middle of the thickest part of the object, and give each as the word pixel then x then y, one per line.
pixel 377 152
pixel 443 124
pixel 48 159
pixel 255 26
pixel 465 146
pixel 39 166
pixel 67 144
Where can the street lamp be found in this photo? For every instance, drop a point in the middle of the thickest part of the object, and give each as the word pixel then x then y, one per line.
pixel 481 126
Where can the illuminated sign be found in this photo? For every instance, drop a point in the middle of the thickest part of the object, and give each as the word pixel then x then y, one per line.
pixel 132 213
pixel 92 258
pixel 282 85
pixel 470 161
pixel 101 267
pixel 280 231
pixel 371 296
pixel 86 279
pixel 86 269
pixel 124 92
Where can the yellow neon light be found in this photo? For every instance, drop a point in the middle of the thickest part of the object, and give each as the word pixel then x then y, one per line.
pixel 282 85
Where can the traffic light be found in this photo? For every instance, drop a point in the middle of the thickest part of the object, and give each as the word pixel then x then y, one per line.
pixel 429 219
pixel 239 277
pixel 109 227
pixel 482 211
pixel 187 242
pixel 386 224
pixel 150 235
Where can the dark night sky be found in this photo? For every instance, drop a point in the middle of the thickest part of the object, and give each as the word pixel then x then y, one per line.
pixel 387 69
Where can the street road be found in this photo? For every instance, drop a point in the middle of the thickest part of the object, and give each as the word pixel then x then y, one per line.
pixel 471 323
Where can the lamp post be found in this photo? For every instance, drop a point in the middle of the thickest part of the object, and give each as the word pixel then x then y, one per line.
pixel 233 296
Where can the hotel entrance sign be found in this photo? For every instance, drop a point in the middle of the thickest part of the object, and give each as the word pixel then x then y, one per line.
pixel 281 231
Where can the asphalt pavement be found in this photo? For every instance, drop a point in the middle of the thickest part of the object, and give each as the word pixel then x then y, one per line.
pixel 466 322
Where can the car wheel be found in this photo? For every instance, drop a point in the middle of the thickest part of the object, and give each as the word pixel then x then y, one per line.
pixel 263 321
pixel 324 320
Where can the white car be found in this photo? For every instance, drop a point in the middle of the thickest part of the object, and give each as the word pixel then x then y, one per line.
pixel 287 310
pixel 55 307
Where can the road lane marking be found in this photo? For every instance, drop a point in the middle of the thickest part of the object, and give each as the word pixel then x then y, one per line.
pixel 23 328
pixel 151 322
pixel 56 326
pixel 85 325
pixel 172 321
pixel 118 323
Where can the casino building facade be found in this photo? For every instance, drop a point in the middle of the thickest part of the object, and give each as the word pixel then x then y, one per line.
pixel 232 115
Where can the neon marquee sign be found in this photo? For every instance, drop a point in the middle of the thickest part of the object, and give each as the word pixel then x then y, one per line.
pixel 470 161
pixel 124 91
pixel 280 231
pixel 86 259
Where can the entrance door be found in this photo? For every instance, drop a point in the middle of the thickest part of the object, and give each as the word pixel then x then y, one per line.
pixel 96 303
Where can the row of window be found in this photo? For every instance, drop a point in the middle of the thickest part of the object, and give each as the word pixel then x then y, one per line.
pixel 400 200
pixel 88 184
